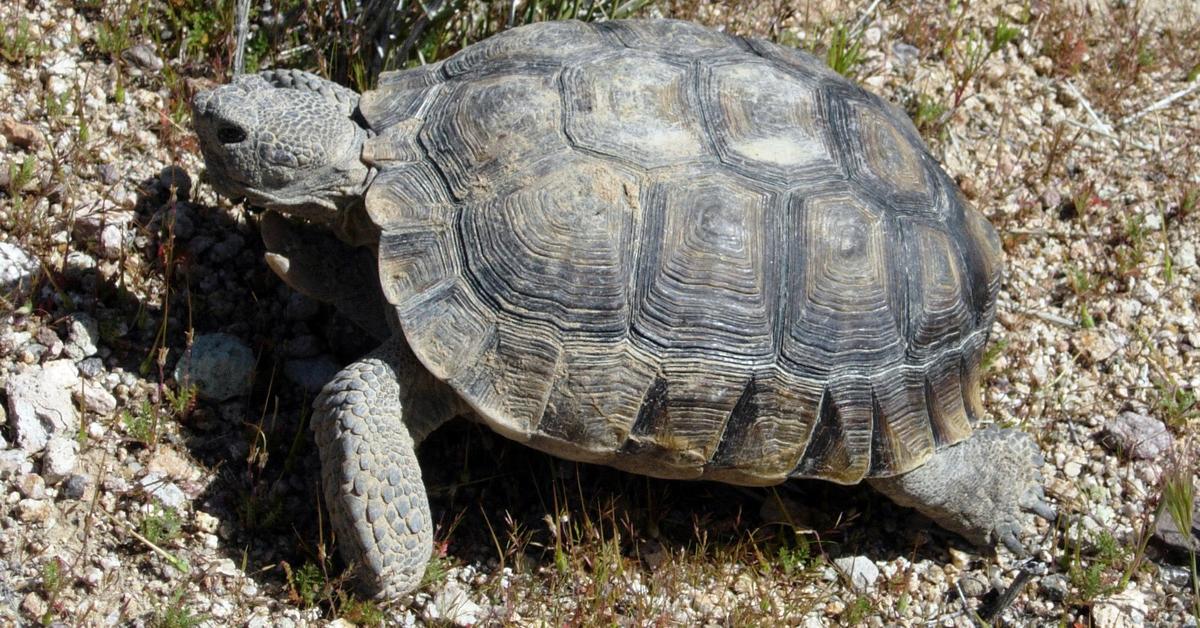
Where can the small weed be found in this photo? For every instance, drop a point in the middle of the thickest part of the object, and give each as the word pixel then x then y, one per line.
pixel 993 352
pixel 20 176
pixel 1176 403
pixel 857 612
pixel 175 614
pixel 162 525
pixel 361 612
pixel 306 584
pixel 796 558
pixel 928 114
pixel 18 45
pixel 1100 571
pixel 845 51
pixel 142 423
pixel 1179 500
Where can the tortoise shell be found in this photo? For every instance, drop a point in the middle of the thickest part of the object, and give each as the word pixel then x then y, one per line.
pixel 681 253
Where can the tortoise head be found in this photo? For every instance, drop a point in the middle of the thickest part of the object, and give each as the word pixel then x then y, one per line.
pixel 284 140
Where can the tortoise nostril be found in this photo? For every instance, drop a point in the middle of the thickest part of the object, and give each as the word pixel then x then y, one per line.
pixel 231 135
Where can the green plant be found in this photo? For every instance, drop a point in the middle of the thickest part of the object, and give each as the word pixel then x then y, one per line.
pixel 361 612
pixel 845 50
pixel 163 524
pixel 141 424
pixel 307 584
pixel 175 614
pixel 857 612
pixel 18 45
pixel 927 113
pixel 1176 403
pixel 1179 500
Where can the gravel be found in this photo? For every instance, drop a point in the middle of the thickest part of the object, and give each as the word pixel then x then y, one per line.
pixel 17 269
pixel 1095 350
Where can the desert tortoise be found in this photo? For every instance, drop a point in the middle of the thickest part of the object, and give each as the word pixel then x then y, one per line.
pixel 644 244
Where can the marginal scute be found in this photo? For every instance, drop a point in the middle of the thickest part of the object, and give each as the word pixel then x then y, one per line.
pixel 447 328
pixel 683 435
pixel 510 382
pixel 768 445
pixel 595 399
pixel 526 49
pixel 633 107
pixel 399 97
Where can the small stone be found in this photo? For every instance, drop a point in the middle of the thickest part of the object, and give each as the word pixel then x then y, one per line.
pixel 1055 587
pixel 59 460
pixel 143 57
pixel 1168 532
pixel 94 398
pixel 32 486
pixel 90 368
pixel 974 585
pixel 206 522
pixel 1098 344
pixel 20 134
pixel 1126 609
pixel 33 510
pixel 17 270
pixel 76 486
pixel 81 337
pixel 905 53
pixel 93 577
pixel 859 570
pixel 1138 436
pixel 39 403
pixel 452 604
pixel 219 365
pixel 34 606
pixel 111 241
pixel 959 558
pixel 1072 468
pixel 14 462
pixel 166 492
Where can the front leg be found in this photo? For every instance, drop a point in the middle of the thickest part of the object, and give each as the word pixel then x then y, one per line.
pixel 367 422
pixel 316 264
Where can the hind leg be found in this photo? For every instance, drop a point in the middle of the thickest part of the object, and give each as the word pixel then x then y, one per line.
pixel 987 488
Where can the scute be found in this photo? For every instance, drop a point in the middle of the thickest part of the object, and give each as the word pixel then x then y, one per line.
pixel 635 107
pixel 654 246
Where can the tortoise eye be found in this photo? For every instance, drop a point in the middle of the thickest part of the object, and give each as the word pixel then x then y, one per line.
pixel 231 135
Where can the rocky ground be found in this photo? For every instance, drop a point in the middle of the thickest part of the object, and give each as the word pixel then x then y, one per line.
pixel 130 497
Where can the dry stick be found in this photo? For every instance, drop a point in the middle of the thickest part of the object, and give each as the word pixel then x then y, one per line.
pixel 240 29
pixel 179 564
pixel 1006 598
pixel 862 18
pixel 1161 104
